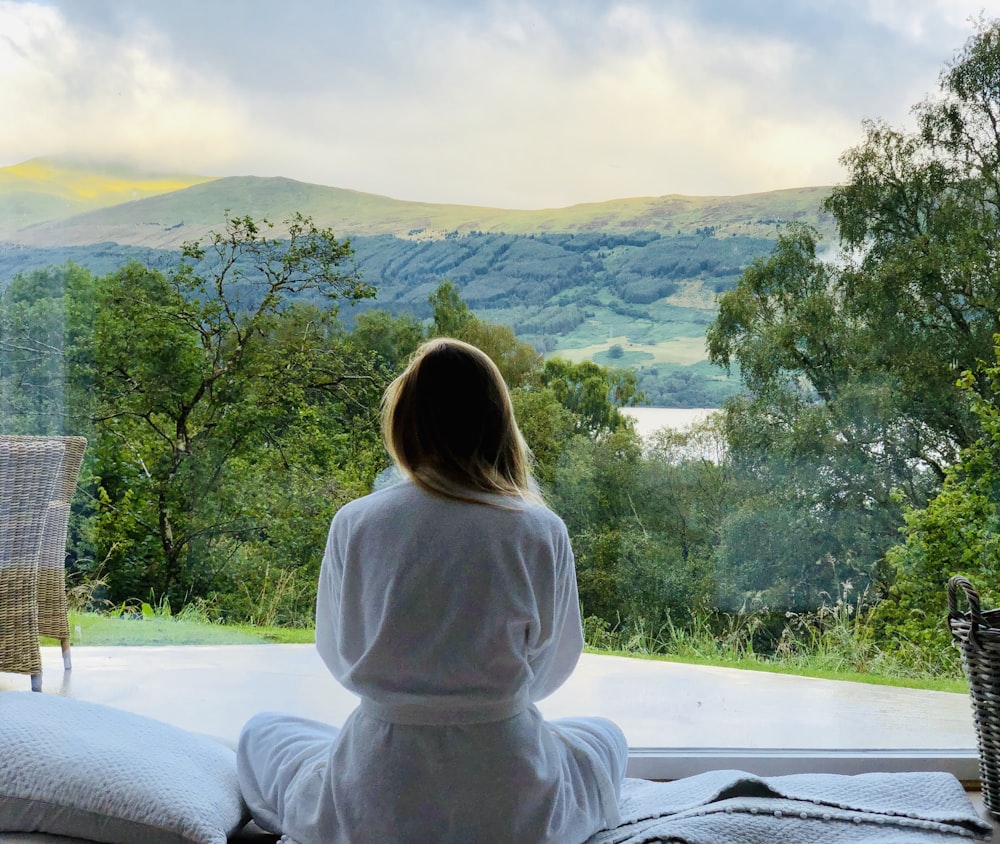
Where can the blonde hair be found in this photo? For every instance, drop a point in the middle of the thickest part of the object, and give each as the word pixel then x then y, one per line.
pixel 448 423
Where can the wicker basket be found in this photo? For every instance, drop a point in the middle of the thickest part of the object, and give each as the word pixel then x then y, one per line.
pixel 978 636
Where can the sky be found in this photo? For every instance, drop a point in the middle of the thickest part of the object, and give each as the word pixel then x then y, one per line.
pixel 505 103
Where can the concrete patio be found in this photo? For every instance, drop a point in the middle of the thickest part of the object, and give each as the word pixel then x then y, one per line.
pixel 679 719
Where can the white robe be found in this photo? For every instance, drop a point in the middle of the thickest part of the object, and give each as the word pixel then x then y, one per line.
pixel 449 620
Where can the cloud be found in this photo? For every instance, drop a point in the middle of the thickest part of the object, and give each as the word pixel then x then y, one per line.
pixel 501 102
pixel 81 92
pixel 921 22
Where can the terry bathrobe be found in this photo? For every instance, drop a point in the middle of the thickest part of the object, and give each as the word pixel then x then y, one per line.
pixel 449 620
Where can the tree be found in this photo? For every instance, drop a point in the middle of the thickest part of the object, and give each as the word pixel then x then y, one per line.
pixel 392 338
pixel 209 374
pixel 451 314
pixel 553 401
pixel 850 365
pixel 593 393
pixel 46 317
pixel 516 360
pixel 956 533
pixel 46 372
pixel 644 525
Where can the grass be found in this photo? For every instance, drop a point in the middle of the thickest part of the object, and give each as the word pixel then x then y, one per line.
pixel 97 629
pixel 936 684
pixel 48 189
pixel 833 642
pixel 94 629
pixel 679 340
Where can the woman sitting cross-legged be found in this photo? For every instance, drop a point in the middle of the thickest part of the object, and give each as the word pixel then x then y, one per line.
pixel 448 603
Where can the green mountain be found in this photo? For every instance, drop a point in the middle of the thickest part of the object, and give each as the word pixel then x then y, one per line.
pixel 43 190
pixel 170 218
pixel 629 282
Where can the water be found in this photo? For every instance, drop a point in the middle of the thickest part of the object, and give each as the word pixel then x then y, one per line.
pixel 648 420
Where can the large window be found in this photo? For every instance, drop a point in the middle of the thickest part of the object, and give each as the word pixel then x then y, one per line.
pixel 836 347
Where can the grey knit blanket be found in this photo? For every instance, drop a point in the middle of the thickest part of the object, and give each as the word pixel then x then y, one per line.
pixel 733 806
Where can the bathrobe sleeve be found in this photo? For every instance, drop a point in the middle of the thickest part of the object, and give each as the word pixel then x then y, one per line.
pixel 558 650
pixel 328 615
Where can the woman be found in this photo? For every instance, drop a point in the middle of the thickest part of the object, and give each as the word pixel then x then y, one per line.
pixel 448 603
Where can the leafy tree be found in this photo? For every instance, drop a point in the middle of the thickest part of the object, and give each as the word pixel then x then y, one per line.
pixel 548 427
pixel 593 492
pixel 852 406
pixel 45 319
pixel 393 338
pixel 956 533
pixel 452 318
pixel 46 372
pixel 593 393
pixel 932 239
pixel 212 378
pixel 518 361
pixel 643 525
pixel 451 314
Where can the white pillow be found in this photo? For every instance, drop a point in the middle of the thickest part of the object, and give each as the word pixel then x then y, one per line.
pixel 81 769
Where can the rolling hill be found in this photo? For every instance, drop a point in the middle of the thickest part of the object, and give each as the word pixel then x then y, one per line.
pixel 168 219
pixel 43 190
pixel 627 282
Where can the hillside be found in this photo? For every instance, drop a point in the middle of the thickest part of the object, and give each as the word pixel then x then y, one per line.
pixel 169 219
pixel 628 282
pixel 43 190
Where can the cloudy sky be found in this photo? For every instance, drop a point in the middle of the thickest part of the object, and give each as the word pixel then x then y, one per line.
pixel 511 103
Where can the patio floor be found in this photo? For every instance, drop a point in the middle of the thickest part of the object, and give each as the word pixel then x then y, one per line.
pixel 704 710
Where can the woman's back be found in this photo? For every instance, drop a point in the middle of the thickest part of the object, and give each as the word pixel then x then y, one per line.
pixel 448 604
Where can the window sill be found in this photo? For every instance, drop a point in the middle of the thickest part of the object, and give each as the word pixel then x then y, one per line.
pixel 669 764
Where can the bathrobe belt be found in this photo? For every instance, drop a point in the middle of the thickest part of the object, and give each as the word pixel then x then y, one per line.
pixel 441 711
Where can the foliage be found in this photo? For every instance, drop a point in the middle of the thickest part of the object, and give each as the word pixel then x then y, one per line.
pixel 45 316
pixel 956 533
pixel 836 640
pixel 232 412
pixel 517 361
pixel 117 630
pixel 852 409
pixel 391 338
pixel 210 385
pixel 953 165
pixel 643 524
pixel 544 286
pixel 592 392
pixel 694 385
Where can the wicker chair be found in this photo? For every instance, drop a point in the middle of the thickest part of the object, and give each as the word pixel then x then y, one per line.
pixel 53 616
pixel 38 477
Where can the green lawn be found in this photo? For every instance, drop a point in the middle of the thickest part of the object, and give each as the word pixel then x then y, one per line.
pixel 95 629
pixel 934 684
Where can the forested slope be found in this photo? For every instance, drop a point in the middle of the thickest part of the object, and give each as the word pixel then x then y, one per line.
pixel 629 282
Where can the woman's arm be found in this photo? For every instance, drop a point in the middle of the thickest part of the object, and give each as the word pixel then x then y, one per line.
pixel 557 654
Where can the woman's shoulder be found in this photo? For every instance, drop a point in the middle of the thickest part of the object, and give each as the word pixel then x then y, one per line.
pixel 532 513
pixel 368 506
pixel 405 496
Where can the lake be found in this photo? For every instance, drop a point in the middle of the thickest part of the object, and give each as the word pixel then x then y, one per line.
pixel 651 419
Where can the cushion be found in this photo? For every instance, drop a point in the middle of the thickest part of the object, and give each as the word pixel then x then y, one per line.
pixel 90 771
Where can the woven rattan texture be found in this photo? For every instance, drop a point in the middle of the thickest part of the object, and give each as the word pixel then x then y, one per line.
pixel 53 619
pixel 29 472
pixel 978 636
